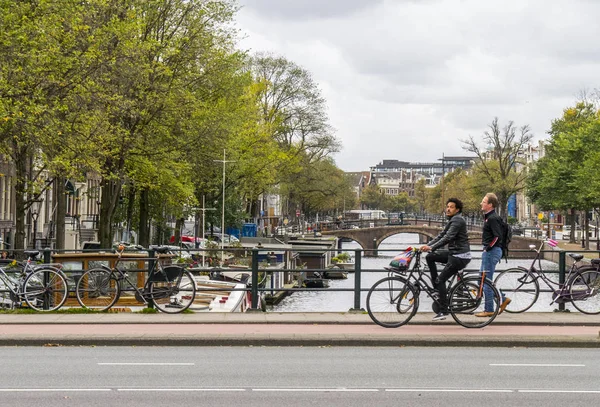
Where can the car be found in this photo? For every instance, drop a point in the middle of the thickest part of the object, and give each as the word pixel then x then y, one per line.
pixel 216 237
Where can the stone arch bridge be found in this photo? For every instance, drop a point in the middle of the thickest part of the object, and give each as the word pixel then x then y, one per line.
pixel 370 238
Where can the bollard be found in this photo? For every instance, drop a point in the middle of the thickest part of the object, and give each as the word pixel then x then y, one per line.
pixel 357 282
pixel 374 253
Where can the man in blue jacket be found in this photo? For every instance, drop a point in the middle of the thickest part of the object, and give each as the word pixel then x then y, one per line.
pixel 456 257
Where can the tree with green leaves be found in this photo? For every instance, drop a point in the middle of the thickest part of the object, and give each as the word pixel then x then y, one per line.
pixel 565 178
pixel 372 197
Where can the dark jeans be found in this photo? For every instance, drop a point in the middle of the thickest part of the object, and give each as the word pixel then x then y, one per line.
pixel 453 266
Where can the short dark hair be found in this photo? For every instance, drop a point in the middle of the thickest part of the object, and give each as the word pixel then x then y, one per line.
pixel 457 202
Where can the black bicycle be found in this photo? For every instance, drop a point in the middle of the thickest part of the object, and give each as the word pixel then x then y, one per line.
pixel 171 289
pixel 394 300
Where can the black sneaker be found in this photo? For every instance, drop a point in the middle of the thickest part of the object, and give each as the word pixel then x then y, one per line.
pixel 440 316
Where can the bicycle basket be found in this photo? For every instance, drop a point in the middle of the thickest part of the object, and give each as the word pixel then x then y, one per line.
pixel 402 261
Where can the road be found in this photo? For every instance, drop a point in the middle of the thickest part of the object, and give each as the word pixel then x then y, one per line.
pixel 263 376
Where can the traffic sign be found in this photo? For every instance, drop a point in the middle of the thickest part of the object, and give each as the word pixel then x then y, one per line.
pixel 297 212
pixel 540 216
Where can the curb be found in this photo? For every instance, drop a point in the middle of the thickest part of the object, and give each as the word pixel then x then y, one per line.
pixel 311 341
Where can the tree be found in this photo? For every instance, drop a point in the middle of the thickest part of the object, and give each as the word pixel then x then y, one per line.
pixel 37 70
pixel 460 184
pixel 372 197
pixel 293 111
pixel 293 107
pixel 497 168
pixel 564 178
pixel 421 194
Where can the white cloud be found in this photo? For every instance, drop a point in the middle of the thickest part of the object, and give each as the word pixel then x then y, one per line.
pixel 408 79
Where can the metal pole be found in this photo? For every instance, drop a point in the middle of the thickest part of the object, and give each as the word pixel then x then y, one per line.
pixel 223 215
pixel 561 275
pixel 254 290
pixel 357 281
pixel 224 161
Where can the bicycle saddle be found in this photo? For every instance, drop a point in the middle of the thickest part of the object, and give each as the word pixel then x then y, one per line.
pixel 576 256
pixel 32 254
pixel 160 249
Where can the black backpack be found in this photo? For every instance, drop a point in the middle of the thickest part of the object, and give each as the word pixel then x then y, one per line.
pixel 507 233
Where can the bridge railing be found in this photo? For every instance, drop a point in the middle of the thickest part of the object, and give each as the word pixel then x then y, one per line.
pixel 359 272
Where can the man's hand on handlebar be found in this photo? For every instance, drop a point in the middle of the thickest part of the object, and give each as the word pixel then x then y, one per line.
pixel 425 248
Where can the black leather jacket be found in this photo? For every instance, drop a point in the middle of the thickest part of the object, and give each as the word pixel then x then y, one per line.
pixel 454 235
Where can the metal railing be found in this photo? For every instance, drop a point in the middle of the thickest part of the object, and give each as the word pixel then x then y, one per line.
pixel 255 268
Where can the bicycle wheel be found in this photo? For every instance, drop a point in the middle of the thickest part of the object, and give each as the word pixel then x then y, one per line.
pixel 391 302
pixel 174 291
pixel 467 303
pixel 97 291
pixel 45 290
pixel 585 291
pixel 520 286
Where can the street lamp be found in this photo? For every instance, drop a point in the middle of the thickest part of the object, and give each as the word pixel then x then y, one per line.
pixel 203 209
pixel 224 161
pixel 35 213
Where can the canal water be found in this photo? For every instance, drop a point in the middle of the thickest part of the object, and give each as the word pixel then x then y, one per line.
pixel 342 301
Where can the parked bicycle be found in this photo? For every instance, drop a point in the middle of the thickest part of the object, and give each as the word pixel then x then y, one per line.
pixel 394 300
pixel 171 288
pixel 581 287
pixel 40 287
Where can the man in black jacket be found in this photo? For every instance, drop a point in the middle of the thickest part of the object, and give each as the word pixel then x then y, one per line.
pixel 492 251
pixel 456 257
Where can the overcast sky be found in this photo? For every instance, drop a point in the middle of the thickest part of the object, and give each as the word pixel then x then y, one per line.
pixel 408 79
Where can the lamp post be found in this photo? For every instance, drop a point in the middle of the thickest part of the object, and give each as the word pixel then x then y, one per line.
pixel 203 209
pixel 35 208
pixel 224 161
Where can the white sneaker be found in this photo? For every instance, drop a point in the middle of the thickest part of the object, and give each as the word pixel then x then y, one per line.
pixel 440 316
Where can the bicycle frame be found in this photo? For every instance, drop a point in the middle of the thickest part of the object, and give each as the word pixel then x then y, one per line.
pixel 560 293
pixel 427 284
pixel 12 284
pixel 143 294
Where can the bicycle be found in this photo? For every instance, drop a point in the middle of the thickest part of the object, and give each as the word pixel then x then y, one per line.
pixel 171 289
pixel 394 300
pixel 41 287
pixel 581 287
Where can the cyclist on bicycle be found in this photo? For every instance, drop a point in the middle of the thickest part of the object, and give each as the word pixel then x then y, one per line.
pixel 456 257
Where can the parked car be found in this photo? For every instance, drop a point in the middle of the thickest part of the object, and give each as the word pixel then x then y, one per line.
pixel 216 237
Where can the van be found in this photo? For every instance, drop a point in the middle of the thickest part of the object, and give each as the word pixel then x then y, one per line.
pixel 566 234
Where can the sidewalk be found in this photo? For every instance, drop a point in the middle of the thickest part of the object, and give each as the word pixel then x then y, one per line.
pixel 292 329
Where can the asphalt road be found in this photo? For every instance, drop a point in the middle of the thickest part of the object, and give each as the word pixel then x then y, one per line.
pixel 297 376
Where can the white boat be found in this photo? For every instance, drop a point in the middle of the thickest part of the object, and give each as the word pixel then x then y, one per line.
pixel 219 296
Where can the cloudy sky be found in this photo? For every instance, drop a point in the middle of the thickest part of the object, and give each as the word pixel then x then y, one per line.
pixel 408 79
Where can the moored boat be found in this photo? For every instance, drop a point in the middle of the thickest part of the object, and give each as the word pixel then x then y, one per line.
pixel 219 296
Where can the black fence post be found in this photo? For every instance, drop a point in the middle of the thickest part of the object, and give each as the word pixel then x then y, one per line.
pixel 47 260
pixel 562 266
pixel 254 289
pixel 47 255
pixel 151 260
pixel 357 281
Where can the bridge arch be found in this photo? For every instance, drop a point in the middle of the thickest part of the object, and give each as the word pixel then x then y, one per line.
pixel 370 238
